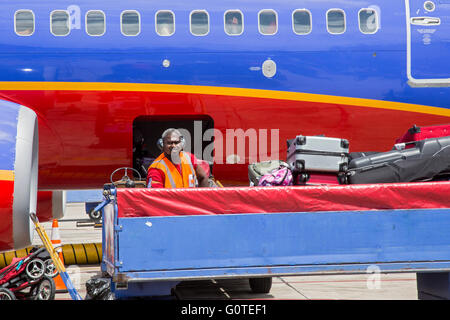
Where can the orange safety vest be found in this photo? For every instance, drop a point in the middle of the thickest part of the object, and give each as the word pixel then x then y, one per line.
pixel 173 178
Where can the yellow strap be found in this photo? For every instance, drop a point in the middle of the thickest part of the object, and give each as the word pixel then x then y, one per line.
pixel 218 183
pixel 48 244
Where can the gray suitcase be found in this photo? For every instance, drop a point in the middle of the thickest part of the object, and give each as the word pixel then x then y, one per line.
pixel 317 154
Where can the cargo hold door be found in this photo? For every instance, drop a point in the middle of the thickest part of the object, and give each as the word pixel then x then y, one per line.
pixel 428 42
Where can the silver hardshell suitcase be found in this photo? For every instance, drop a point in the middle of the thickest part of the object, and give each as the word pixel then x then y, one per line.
pixel 317 154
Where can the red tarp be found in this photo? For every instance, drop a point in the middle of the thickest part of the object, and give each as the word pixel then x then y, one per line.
pixel 208 201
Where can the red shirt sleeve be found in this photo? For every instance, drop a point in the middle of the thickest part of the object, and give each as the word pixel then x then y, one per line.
pixel 203 163
pixel 158 178
pixel 194 161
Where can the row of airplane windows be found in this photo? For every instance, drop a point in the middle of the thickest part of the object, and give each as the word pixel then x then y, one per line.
pixel 130 22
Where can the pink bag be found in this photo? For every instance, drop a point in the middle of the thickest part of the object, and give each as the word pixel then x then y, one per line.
pixel 281 176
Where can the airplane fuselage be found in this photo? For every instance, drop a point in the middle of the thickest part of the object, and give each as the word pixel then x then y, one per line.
pixel 366 80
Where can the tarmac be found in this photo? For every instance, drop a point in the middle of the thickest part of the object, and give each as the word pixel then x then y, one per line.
pixel 370 286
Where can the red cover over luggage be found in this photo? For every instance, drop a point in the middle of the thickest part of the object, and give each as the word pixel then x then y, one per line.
pixel 416 133
pixel 318 178
pixel 138 202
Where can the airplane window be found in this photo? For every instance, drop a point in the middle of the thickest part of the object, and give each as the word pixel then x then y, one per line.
pixel 233 20
pixel 95 23
pixel 336 21
pixel 267 22
pixel 59 23
pixel 165 23
pixel 130 23
pixel 24 22
pixel 199 23
pixel 301 21
pixel 368 21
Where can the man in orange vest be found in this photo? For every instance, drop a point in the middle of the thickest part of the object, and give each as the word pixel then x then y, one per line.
pixel 175 168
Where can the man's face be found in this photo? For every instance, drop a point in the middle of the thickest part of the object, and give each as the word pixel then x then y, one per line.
pixel 172 143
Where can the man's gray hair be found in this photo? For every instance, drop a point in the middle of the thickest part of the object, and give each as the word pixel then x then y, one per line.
pixel 169 132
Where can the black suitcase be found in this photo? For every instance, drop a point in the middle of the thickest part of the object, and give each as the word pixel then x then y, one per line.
pixel 426 160
pixel 355 155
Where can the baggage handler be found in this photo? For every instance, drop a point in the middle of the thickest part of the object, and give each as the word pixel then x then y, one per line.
pixel 175 168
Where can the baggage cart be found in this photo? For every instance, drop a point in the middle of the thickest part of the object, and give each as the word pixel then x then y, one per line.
pixel 150 244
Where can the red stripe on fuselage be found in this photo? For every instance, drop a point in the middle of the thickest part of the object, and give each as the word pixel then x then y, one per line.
pixel 6 215
pixel 85 135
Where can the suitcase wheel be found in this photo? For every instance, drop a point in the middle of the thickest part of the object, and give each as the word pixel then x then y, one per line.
pixel 414 129
pixel 344 143
pixel 299 165
pixel 304 177
pixel 342 178
pixel 301 178
pixel 343 167
pixel 301 140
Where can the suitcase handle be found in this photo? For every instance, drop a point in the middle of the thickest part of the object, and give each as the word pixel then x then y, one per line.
pixel 402 146
pixel 322 153
pixel 414 129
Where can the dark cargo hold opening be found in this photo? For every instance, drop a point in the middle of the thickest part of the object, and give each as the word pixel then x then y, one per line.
pixel 148 129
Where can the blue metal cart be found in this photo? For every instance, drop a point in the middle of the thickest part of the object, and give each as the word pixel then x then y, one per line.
pixel 148 256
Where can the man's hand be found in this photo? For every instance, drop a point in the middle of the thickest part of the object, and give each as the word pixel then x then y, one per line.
pixel 201 177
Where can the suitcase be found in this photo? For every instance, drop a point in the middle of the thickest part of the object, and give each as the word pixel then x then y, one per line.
pixel 258 169
pixel 317 154
pixel 426 160
pixel 416 133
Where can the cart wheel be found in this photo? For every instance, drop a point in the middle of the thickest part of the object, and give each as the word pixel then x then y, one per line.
pixel 6 294
pixel 44 290
pixel 95 215
pixel 35 269
pixel 260 285
pixel 50 269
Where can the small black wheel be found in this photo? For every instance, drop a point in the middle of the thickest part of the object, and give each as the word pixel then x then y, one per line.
pixel 6 294
pixel 299 166
pixel 304 177
pixel 95 215
pixel 260 285
pixel 45 289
